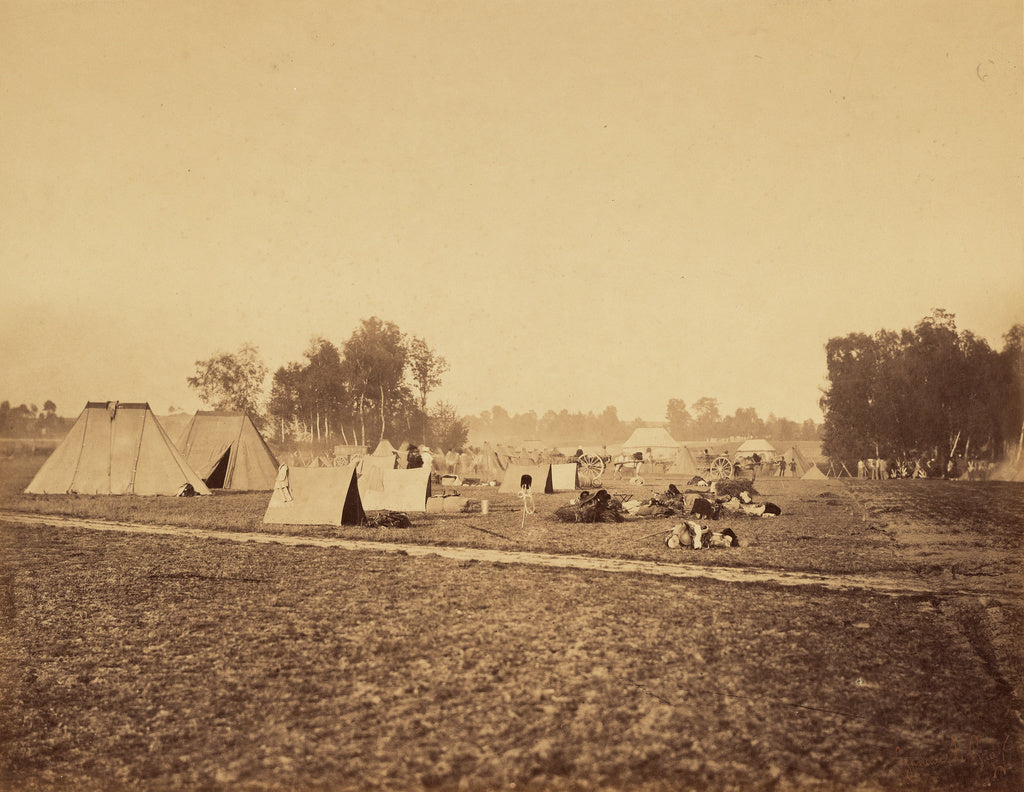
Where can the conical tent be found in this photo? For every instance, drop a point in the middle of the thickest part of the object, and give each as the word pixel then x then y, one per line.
pixel 685 465
pixel 657 440
pixel 486 466
pixel 813 473
pixel 492 459
pixel 384 449
pixel 402 455
pixel 368 463
pixel 116 449
pixel 228 451
pixel 540 478
pixel 794 455
pixel 761 447
pixel 318 496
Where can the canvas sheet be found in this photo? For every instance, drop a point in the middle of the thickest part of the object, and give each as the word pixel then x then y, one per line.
pixel 394 490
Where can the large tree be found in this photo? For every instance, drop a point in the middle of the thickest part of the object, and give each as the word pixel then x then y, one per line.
pixel 1011 383
pixel 680 423
pixel 447 431
pixel 930 390
pixel 286 400
pixel 707 417
pixel 374 365
pixel 426 368
pixel 231 381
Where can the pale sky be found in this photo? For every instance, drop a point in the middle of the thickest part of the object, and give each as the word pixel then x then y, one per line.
pixel 578 204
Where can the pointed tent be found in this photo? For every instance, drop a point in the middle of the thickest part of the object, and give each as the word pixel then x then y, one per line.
pixel 761 447
pixel 116 449
pixel 541 475
pixel 228 451
pixel 384 449
pixel 493 459
pixel 486 466
pixel 175 423
pixel 658 440
pixel 813 473
pixel 320 496
pixel 368 463
pixel 795 455
pixel 685 464
pixel 394 490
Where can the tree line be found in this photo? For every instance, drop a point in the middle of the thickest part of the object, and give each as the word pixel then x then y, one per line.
pixel 931 391
pixel 606 428
pixel 27 420
pixel 374 385
pixel 706 423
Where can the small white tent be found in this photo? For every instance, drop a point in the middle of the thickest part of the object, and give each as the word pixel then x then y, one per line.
pixel 393 489
pixel 684 464
pixel 565 477
pixel 540 478
pixel 317 496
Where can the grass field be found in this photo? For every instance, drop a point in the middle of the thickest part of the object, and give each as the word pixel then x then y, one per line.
pixel 160 663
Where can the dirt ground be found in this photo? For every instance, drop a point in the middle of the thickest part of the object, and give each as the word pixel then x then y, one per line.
pixel 869 638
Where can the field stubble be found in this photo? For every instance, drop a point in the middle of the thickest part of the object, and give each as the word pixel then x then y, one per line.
pixel 164 663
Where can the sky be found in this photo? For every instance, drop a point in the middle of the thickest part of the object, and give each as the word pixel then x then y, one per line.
pixel 577 204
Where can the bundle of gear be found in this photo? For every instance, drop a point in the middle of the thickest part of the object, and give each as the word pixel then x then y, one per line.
pixel 697 536
pixel 388 519
pixel 591 507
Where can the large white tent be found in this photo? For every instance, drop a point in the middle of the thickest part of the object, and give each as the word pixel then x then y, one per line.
pixel 116 449
pixel 655 443
pixel 760 446
pixel 228 451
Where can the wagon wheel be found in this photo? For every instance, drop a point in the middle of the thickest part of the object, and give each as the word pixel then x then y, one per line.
pixel 589 468
pixel 721 468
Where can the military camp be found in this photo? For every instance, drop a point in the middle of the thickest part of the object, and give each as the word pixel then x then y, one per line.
pixel 531 396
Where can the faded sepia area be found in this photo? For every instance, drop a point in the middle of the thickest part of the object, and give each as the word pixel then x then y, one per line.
pixel 478 395
pixel 578 204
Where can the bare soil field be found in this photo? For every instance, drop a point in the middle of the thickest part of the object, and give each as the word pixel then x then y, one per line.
pixel 162 662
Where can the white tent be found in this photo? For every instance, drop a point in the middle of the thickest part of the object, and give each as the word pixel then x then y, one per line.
pixel 540 475
pixel 564 477
pixel 116 449
pixel 317 496
pixel 795 455
pixel 761 447
pixel 394 489
pixel 657 441
pixel 228 451
pixel 684 464
pixel 813 473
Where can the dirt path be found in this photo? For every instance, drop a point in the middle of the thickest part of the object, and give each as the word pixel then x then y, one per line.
pixel 887 585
